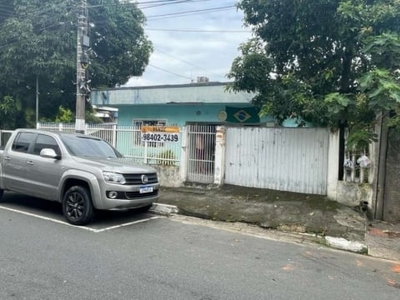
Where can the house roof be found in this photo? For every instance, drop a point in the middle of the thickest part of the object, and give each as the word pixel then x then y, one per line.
pixel 211 92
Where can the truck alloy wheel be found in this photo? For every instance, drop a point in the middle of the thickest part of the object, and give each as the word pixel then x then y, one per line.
pixel 77 205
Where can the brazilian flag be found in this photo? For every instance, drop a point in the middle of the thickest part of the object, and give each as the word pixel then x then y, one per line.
pixel 244 115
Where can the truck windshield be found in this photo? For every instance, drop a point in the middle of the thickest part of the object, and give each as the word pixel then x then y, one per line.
pixel 89 147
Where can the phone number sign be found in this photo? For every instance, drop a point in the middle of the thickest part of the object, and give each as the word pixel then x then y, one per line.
pixel 159 137
pixel 160 134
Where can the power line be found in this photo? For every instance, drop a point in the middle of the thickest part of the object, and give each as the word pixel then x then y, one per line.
pixel 169 72
pixel 153 4
pixel 184 13
pixel 190 12
pixel 149 4
pixel 179 59
pixel 198 30
pixel 145 5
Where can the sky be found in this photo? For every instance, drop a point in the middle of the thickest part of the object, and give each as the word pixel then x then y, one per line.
pixel 191 39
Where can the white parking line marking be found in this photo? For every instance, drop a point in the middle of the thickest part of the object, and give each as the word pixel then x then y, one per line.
pixel 127 224
pixel 80 227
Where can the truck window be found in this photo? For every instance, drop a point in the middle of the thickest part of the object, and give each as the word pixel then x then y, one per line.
pixel 22 141
pixel 89 147
pixel 45 141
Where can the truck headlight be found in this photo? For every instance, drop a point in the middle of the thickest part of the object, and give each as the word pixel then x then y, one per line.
pixel 113 177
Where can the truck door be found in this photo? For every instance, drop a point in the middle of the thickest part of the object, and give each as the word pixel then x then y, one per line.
pixel 15 163
pixel 44 172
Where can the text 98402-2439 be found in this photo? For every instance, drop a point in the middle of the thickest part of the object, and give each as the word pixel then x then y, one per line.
pixel 159 137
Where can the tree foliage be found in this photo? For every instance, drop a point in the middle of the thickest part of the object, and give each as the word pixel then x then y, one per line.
pixel 330 62
pixel 38 40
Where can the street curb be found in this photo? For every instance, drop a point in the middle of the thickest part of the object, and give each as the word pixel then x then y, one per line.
pixel 164 209
pixel 343 244
pixel 333 242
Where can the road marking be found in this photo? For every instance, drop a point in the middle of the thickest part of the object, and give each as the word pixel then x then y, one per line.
pixel 126 224
pixel 79 227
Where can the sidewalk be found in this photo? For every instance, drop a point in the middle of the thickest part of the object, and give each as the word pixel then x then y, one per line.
pixel 338 225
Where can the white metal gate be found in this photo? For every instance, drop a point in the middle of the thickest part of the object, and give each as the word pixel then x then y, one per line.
pixel 286 159
pixel 201 156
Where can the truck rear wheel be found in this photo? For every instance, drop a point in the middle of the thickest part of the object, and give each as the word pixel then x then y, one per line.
pixel 77 205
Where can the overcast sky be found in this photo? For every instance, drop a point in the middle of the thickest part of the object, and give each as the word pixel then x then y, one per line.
pixel 191 38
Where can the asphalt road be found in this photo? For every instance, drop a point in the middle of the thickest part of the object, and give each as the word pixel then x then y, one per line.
pixel 144 256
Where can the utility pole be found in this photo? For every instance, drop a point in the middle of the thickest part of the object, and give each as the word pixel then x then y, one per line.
pixel 37 101
pixel 82 62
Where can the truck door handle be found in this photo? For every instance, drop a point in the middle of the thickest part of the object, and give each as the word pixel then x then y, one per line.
pixel 7 158
pixel 30 163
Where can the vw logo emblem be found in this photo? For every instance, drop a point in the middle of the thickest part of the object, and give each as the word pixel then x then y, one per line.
pixel 145 179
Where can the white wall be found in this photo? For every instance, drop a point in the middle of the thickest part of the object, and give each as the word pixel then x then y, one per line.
pixel 286 159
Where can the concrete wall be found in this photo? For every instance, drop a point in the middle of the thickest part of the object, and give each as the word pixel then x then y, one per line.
pixel 391 206
pixel 348 193
pixel 351 193
pixel 169 176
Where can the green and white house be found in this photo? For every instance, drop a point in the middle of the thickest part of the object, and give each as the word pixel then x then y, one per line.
pixel 206 103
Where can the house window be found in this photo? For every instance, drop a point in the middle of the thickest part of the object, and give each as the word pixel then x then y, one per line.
pixel 137 133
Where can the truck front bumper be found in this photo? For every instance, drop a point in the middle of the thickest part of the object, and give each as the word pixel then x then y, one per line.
pixel 116 197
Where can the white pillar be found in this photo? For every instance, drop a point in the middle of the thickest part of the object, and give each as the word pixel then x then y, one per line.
pixel 219 164
pixel 333 165
pixel 184 154
pixel 114 136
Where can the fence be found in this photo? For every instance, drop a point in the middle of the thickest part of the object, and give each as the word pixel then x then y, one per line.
pixel 357 164
pixel 356 167
pixel 201 156
pixel 128 141
pixel 285 159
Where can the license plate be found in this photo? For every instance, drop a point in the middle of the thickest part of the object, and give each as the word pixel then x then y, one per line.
pixel 145 189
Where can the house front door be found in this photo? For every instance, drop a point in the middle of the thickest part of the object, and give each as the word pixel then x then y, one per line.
pixel 201 156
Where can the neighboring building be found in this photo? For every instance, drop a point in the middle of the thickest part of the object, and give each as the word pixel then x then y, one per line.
pixel 106 113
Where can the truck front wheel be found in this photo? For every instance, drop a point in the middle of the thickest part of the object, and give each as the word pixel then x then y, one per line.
pixel 77 205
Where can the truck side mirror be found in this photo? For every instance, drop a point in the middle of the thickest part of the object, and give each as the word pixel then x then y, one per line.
pixel 50 153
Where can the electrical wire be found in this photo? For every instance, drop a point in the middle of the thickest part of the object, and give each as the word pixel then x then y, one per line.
pixel 169 72
pixel 186 13
pixel 190 12
pixel 150 4
pixel 198 30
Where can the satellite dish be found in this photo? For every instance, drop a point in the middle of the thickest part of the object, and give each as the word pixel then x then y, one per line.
pixel 222 115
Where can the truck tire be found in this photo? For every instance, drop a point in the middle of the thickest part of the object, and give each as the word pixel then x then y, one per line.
pixel 77 205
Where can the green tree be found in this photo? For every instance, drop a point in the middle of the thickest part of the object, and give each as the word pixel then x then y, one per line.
pixel 38 40
pixel 331 62
pixel 9 111
pixel 64 115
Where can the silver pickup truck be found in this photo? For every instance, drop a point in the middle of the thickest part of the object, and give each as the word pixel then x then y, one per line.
pixel 83 173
